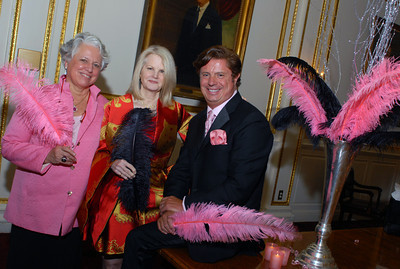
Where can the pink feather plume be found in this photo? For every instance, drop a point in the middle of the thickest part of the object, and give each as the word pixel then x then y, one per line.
pixel 303 96
pixel 229 224
pixel 41 109
pixel 373 95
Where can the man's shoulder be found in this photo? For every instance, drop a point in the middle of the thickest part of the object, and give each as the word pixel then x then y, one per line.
pixel 199 115
pixel 245 108
pixel 245 113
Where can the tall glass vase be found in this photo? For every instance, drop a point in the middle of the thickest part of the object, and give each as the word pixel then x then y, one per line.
pixel 339 158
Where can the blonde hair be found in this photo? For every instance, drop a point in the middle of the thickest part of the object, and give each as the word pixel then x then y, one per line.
pixel 169 74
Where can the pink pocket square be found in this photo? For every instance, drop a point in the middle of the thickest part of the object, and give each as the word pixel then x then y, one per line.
pixel 218 137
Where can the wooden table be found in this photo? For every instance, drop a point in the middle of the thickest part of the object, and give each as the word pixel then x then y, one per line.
pixel 354 248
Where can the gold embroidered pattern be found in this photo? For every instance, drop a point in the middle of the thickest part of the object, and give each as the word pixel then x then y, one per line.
pixel 121 217
pixel 123 99
pixel 114 248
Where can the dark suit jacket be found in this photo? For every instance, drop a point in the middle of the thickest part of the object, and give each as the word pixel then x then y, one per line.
pixel 223 174
pixel 193 40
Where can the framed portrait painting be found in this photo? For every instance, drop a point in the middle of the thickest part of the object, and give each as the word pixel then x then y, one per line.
pixel 187 27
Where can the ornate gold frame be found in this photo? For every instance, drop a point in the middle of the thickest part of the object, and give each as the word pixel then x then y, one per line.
pixel 242 33
pixel 317 57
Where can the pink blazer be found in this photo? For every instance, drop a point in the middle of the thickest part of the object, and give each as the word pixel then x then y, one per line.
pixel 46 200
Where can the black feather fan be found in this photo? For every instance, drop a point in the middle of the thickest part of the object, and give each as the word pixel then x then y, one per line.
pixel 291 115
pixel 327 98
pixel 380 138
pixel 288 116
pixel 133 144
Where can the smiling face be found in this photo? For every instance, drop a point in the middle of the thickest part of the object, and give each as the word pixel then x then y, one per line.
pixel 216 82
pixel 84 67
pixel 152 74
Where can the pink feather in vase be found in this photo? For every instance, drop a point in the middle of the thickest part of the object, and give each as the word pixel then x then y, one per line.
pixel 41 109
pixel 219 223
pixel 300 91
pixel 373 96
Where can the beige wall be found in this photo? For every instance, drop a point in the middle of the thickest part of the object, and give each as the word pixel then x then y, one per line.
pixel 293 167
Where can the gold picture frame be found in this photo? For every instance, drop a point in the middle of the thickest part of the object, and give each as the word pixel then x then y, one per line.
pixel 162 24
pixel 394 47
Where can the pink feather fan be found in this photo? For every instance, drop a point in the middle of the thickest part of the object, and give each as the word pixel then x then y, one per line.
pixel 303 96
pixel 230 224
pixel 40 108
pixel 374 95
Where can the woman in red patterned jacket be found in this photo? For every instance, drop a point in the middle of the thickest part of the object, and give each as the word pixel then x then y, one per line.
pixel 104 219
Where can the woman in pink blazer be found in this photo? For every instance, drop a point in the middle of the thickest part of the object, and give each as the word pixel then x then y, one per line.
pixel 50 182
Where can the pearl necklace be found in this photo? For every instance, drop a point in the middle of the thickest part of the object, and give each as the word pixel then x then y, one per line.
pixel 152 105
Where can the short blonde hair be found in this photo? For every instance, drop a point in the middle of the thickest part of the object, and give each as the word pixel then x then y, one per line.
pixel 169 74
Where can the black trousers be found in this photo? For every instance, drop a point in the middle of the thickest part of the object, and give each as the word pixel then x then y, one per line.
pixel 33 250
pixel 142 241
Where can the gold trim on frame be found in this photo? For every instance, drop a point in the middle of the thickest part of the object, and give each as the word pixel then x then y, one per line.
pixel 149 23
pixel 62 37
pixel 4 111
pixel 17 15
pixel 288 49
pixel 80 16
pixel 242 31
pixel 278 55
pixel 293 24
pixel 330 38
pixel 273 85
pixel 1 3
pixel 46 41
pixel 301 133
pixel 304 27
pixel 315 56
pixel 291 181
pixel 317 40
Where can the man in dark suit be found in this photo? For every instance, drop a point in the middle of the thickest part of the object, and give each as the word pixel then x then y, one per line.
pixel 201 29
pixel 226 171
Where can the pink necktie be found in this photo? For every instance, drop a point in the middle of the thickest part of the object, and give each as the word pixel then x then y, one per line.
pixel 210 119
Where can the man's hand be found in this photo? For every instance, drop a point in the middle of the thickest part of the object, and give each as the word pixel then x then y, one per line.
pixel 165 223
pixel 170 203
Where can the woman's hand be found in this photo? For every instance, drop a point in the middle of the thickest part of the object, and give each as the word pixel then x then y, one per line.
pixel 123 169
pixel 61 155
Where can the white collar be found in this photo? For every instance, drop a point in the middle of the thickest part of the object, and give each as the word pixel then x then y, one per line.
pixel 218 109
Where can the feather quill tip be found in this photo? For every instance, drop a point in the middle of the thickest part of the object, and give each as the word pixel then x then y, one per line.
pixel 228 224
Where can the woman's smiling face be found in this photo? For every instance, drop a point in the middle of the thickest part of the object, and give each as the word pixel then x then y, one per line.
pixel 152 73
pixel 85 66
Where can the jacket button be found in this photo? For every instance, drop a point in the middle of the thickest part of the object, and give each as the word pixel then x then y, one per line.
pixel 69 193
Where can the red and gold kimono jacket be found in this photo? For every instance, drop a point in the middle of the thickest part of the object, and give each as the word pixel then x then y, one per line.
pixel 101 216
